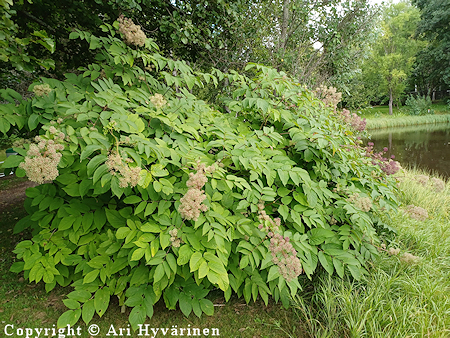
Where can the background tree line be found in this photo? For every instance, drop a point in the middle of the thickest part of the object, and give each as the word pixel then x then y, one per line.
pixel 371 54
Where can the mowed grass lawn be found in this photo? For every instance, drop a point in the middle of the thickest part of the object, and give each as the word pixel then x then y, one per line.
pixel 439 107
pixel 397 298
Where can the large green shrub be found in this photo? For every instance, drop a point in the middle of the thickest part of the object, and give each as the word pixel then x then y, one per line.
pixel 420 105
pixel 148 192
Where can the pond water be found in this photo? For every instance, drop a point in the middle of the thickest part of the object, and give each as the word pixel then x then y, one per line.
pixel 425 147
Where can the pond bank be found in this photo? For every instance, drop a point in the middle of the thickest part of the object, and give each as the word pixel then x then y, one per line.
pixel 403 121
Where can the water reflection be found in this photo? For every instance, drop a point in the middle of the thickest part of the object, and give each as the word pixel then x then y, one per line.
pixel 426 146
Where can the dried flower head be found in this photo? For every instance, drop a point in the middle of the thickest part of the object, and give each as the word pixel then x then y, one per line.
pixel 132 33
pixel 422 179
pixel 409 258
pixel 417 213
pixel 393 251
pixel 437 184
pixel 329 96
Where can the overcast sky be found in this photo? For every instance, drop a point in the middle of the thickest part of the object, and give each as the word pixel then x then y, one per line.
pixel 380 1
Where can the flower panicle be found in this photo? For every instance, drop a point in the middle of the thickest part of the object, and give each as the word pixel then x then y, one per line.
pixel 117 166
pixel 132 33
pixel 283 253
pixel 42 89
pixel 192 202
pixel 42 159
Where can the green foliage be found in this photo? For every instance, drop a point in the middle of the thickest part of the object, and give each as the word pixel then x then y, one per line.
pixel 419 105
pixel 278 150
pixel 434 26
pixel 386 70
pixel 14 50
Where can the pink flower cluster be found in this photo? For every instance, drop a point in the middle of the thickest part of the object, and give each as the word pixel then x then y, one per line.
pixel 119 167
pixel 41 162
pixel 354 120
pixel 417 213
pixel 283 253
pixel 192 202
pixel 389 166
pixel 133 33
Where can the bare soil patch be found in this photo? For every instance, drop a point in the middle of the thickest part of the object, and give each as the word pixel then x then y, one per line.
pixel 14 193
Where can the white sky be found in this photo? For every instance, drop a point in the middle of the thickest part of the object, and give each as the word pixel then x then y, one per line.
pixel 380 1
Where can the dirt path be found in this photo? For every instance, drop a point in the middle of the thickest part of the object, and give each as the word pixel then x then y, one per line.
pixel 14 194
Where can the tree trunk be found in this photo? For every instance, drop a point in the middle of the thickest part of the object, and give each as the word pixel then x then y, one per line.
pixel 391 100
pixel 284 25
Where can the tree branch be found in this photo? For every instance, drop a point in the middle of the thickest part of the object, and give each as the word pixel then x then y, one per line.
pixel 39 21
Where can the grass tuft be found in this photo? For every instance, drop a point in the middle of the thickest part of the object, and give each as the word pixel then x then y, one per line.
pixel 398 297
pixel 401 120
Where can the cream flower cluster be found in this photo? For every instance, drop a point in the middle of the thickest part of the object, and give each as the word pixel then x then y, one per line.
pixel 363 203
pixel 263 217
pixel 329 96
pixel 283 253
pixel 192 202
pixel 174 239
pixel 41 162
pixel 406 257
pixel 119 167
pixel 158 100
pixel 133 33
pixel 41 90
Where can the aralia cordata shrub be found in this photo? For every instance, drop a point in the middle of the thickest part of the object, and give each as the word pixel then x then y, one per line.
pixel 278 198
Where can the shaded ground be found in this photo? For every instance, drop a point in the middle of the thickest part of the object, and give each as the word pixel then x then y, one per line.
pixel 12 192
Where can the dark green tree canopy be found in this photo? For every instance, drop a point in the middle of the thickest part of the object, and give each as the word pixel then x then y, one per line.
pixel 432 65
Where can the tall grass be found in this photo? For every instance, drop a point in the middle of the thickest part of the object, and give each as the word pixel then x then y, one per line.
pixel 395 298
pixel 402 121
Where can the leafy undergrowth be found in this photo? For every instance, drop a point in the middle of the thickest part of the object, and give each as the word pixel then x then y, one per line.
pixel 29 305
